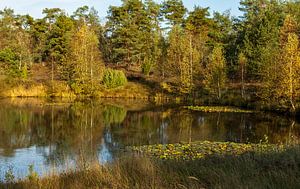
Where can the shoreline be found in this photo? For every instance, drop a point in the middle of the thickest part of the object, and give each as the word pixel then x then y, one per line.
pixel 272 168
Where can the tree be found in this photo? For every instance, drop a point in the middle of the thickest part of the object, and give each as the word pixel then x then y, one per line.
pixel 178 59
pixel 215 77
pixel 38 32
pixel 242 70
pixel 289 26
pixel 197 27
pixel 133 33
pixel 154 38
pixel 85 15
pixel 289 86
pixel 60 28
pixel 173 11
pixel 84 63
pixel 261 23
pixel 127 27
pixel 274 72
pixel 9 63
pixel 16 40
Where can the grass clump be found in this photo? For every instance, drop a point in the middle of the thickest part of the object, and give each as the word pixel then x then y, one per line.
pixel 212 109
pixel 38 90
pixel 114 78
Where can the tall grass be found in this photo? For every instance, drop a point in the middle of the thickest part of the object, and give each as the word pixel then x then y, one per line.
pixel 250 170
pixel 26 91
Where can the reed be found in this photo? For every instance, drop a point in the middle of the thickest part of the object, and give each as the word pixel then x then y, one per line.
pixel 249 170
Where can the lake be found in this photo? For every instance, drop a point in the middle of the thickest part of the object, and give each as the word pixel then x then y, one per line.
pixel 53 136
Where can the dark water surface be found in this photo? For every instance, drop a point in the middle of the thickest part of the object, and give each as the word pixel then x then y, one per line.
pixel 54 136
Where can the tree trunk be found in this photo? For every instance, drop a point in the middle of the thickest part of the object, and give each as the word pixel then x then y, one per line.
pixel 243 83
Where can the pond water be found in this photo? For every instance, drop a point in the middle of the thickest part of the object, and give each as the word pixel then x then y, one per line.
pixel 54 136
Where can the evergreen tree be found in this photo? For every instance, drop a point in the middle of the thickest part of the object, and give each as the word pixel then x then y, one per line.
pixel 173 11
pixel 261 23
pixel 133 34
pixel 127 27
pixel 60 28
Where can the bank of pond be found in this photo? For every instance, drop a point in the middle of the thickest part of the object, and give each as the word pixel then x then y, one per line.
pixel 266 166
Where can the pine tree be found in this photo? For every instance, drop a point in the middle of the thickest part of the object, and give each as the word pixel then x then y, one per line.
pixel 60 28
pixel 260 34
pixel 173 11
pixel 128 28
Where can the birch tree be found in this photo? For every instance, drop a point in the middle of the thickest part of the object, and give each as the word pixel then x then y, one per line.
pixel 289 83
pixel 85 63
pixel 215 76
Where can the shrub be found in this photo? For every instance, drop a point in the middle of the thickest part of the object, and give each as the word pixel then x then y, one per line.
pixel 10 64
pixel 147 66
pixel 114 78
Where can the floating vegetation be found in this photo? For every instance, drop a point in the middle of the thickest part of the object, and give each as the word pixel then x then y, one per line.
pixel 218 109
pixel 199 150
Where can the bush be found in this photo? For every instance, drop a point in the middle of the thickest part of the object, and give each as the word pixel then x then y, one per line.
pixel 114 78
pixel 9 63
pixel 147 66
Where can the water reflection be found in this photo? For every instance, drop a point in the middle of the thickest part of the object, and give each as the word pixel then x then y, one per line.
pixel 54 136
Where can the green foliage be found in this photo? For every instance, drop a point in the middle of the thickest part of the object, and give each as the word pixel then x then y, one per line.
pixel 114 78
pixel 9 175
pixel 216 77
pixel 32 175
pixel 131 31
pixel 179 61
pixel 73 47
pixel 9 62
pixel 260 34
pixel 114 115
pixel 173 11
pixel 84 66
pixel 147 66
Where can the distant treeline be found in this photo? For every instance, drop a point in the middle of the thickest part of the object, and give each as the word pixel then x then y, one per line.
pixel 191 50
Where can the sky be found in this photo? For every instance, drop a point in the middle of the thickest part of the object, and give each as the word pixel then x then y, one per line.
pixel 35 7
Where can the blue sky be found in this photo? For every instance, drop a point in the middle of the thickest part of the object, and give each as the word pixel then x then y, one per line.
pixel 35 7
